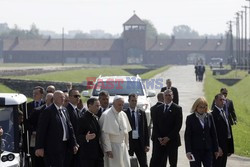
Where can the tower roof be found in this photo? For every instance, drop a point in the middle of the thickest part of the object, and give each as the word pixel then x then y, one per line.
pixel 134 20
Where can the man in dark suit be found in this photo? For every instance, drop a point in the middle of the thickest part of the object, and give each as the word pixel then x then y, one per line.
pixel 34 117
pixel 174 90
pixel 153 110
pixel 167 124
pixel 74 115
pixel 138 137
pixel 160 98
pixel 88 134
pixel 224 132
pixel 228 107
pixel 104 101
pixel 38 94
pixel 55 133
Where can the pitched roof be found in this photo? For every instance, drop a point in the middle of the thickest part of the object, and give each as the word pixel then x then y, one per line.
pixel 186 45
pixel 56 45
pixel 134 20
pixel 112 45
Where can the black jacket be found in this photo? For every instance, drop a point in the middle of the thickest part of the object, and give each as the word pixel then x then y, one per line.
pixel 50 134
pixel 88 149
pixel 73 116
pixel 143 128
pixel 168 124
pixel 199 138
pixel 227 145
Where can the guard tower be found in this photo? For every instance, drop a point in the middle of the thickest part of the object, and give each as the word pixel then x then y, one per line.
pixel 134 40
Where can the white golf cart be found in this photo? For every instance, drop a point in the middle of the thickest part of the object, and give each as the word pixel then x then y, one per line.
pixel 14 142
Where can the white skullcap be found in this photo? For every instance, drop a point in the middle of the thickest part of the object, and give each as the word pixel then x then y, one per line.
pixel 117 97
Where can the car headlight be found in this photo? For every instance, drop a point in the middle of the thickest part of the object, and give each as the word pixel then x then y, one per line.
pixel 9 157
pixel 142 106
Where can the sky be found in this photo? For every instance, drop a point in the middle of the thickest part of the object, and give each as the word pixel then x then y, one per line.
pixel 204 16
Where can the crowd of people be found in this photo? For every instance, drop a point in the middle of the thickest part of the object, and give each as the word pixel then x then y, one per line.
pixel 64 133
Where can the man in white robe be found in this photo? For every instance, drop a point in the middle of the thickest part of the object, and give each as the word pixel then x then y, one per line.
pixel 115 126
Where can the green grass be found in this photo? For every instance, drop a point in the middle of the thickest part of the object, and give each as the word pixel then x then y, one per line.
pixel 234 74
pixel 5 89
pixel 73 75
pixel 152 73
pixel 240 94
pixel 10 65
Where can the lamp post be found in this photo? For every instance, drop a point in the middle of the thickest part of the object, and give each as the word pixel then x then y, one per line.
pixel 237 40
pixel 245 40
pixel 248 55
pixel 241 40
pixel 230 41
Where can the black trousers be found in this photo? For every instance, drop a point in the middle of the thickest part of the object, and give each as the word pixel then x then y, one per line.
pixel 162 153
pixel 204 157
pixel 135 147
pixel 52 159
pixel 222 161
pixel 84 162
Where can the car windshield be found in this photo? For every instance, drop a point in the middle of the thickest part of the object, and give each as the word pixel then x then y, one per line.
pixel 6 122
pixel 216 61
pixel 119 87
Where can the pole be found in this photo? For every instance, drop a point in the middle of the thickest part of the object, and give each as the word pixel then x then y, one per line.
pixel 231 43
pixel 245 49
pixel 62 46
pixel 242 40
pixel 237 40
pixel 248 59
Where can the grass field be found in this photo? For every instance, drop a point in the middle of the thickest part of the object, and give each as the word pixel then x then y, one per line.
pixel 73 75
pixel 80 75
pixel 5 89
pixel 234 74
pixel 240 94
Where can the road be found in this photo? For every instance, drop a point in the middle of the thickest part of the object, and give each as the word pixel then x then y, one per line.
pixel 189 90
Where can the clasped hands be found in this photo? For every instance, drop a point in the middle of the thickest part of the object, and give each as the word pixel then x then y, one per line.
pixel 163 140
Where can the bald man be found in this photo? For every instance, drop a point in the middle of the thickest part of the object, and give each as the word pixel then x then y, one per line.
pixel 55 135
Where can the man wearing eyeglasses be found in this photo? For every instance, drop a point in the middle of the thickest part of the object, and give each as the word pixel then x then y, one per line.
pixel 74 115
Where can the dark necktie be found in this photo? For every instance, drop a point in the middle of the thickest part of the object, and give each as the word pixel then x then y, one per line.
pixel 133 120
pixel 64 123
pixel 226 120
pixel 77 112
pixel 166 108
